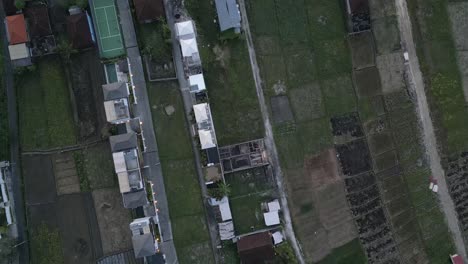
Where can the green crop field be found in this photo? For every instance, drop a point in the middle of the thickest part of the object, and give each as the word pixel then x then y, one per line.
pixel 45 113
pixel 186 209
pixel 228 78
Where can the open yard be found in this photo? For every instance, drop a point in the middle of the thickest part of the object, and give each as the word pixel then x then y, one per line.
pixel 45 113
pixel 249 189
pixel 191 237
pixel 228 78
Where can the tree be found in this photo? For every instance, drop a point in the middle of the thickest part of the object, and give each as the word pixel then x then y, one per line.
pixel 20 4
pixel 65 49
pixel 286 253
pixel 223 189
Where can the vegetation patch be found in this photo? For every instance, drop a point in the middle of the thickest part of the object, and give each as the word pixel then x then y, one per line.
pixel 46 246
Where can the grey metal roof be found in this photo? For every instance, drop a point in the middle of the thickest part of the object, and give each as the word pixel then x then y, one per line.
pixel 115 91
pixel 143 245
pixel 123 142
pixel 135 199
pixel 228 14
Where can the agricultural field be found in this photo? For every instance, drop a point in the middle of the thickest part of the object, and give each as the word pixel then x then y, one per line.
pixel 45 114
pixel 186 209
pixel 228 78
pixel 249 189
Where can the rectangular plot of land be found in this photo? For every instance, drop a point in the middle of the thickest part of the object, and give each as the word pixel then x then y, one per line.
pixel 307 102
pixel 362 49
pixel 292 22
pixel 66 177
pixel 315 135
pixel 108 27
pixel 267 45
pixel 274 72
pixel 300 67
pixel 381 8
pixel 346 127
pixel 354 157
pixel 367 82
pixel 333 58
pixel 391 69
pixel 458 15
pixel 380 143
pixel 39 179
pixel 338 95
pixel 386 34
pixel 385 161
pixel 281 110
pixel 262 14
pixel 463 66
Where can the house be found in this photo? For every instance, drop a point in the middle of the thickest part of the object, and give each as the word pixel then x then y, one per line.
pixel 205 126
pixel 185 30
pixel 80 31
pixel 190 54
pixel 256 249
pixel 228 15
pixel 18 39
pixel 144 241
pixel 125 155
pixel 16 29
pixel 116 103
pixel 197 83
pixel 38 21
pixel 148 11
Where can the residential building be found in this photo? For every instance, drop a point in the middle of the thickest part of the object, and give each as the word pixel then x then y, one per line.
pixel 18 39
pixel 144 240
pixel 116 102
pixel 148 11
pixel 127 167
pixel 256 248
pixel 197 83
pixel 185 30
pixel 185 33
pixel 228 15
pixel 38 20
pixel 205 126
pixel 80 30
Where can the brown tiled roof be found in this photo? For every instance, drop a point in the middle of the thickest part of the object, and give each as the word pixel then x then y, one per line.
pixel 38 21
pixel 78 31
pixel 148 10
pixel 16 29
pixel 256 249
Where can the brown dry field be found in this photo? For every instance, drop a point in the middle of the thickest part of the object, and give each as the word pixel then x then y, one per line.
pixel 318 205
pixel 66 177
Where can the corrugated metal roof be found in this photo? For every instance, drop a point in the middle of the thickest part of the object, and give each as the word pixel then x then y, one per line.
pixel 228 14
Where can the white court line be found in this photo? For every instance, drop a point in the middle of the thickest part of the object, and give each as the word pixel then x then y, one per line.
pixel 113 49
pixel 103 7
pixel 107 22
pixel 118 35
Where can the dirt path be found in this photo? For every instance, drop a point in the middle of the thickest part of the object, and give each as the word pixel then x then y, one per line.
pixel 417 83
pixel 269 140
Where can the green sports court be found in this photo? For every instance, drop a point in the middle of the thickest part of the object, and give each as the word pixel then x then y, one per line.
pixel 108 29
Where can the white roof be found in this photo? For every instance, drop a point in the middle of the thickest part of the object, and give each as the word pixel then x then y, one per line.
pixel 277 237
pixel 206 139
pixel 184 28
pixel 226 230
pixel 18 51
pixel 119 162
pixel 201 112
pixel 274 206
pixel 124 184
pixel 271 218
pixel 198 82
pixel 189 47
pixel 225 209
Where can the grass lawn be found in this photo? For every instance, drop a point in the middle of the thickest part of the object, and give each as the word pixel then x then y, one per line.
pixel 350 253
pixel 189 227
pixel 45 115
pixel 229 79
pixel 95 168
pixel 46 246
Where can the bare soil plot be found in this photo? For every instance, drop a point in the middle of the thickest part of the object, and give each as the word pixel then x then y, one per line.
pixel 398 100
pixel 39 179
pixel 381 8
pixel 113 220
pixel 307 102
pixel 391 69
pixel 362 49
pixel 87 77
pixel 42 214
pixel 386 34
pixel 281 110
pixel 457 12
pixel 367 82
pixel 66 177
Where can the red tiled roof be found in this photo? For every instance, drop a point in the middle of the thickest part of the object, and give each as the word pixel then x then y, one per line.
pixel 38 21
pixel 456 259
pixel 16 29
pixel 149 10
pixel 78 31
pixel 256 249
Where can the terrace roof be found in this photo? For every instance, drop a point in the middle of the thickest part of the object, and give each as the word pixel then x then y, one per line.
pixel 117 110
pixel 18 51
pixel 135 199
pixel 123 142
pixel 38 21
pixel 79 31
pixel 207 139
pixel 115 90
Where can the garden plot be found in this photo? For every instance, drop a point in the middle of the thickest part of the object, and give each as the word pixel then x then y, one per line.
pixel 66 177
pixel 281 110
pixel 268 44
pixel 300 67
pixel 293 27
pixel 385 160
pixel 367 82
pixel 386 34
pixel 398 100
pixel 338 95
pixel 380 142
pixel 346 128
pixel 307 102
pixel 332 58
pixel 362 49
pixel 391 69
pixel 354 157
pixel 274 74
pixel 263 17
pixel 457 12
pixel 457 174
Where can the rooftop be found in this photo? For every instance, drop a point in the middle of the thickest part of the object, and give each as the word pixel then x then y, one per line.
pixel 148 10
pixel 197 83
pixel 144 243
pixel 135 199
pixel 16 28
pixel 185 29
pixel 255 248
pixel 189 47
pixel 207 139
pixel 123 142
pixel 117 110
pixel 228 14
pixel 79 32
pixel 38 20
pixel 115 90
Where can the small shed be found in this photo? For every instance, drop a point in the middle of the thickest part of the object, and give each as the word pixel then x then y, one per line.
pixel 226 230
pixel 277 237
pixel 271 218
pixel 148 11
pixel 274 206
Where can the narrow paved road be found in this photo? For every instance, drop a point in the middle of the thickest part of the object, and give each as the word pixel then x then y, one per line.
pixel 430 142
pixel 15 169
pixel 269 140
